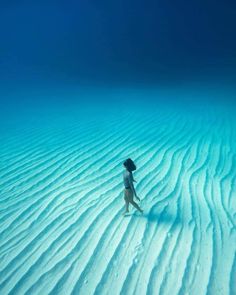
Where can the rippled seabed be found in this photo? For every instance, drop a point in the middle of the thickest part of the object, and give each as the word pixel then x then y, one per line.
pixel 61 224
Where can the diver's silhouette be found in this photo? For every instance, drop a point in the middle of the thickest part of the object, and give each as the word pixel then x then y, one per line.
pixel 129 191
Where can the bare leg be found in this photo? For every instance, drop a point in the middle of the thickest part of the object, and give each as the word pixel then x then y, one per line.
pixel 136 206
pixel 126 206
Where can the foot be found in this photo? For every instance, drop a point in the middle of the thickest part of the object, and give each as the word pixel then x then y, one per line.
pixel 125 213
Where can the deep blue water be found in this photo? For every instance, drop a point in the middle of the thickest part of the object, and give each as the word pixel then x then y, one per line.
pixel 85 85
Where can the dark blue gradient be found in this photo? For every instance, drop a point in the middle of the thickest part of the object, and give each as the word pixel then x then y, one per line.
pixel 108 42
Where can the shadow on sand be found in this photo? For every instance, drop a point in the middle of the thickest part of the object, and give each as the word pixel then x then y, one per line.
pixel 157 217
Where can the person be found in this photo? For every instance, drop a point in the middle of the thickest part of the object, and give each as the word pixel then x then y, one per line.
pixel 129 191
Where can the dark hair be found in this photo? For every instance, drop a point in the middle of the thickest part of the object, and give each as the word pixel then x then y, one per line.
pixel 129 164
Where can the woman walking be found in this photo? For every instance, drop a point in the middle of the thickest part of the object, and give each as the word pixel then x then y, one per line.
pixel 129 191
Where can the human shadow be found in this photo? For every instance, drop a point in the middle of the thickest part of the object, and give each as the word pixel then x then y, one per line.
pixel 159 217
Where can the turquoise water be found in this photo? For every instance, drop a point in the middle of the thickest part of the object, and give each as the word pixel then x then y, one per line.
pixel 61 223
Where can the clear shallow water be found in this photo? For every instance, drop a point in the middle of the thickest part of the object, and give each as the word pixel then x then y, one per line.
pixel 62 230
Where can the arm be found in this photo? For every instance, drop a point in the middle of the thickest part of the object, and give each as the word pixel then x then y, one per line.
pixel 132 186
pixel 133 178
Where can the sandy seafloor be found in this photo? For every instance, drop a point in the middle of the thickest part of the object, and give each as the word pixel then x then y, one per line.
pixel 61 224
